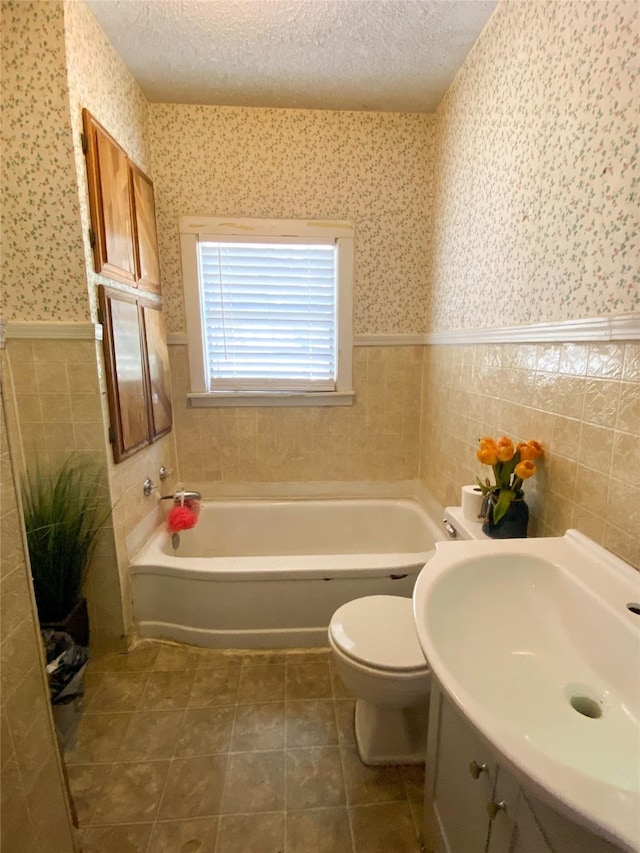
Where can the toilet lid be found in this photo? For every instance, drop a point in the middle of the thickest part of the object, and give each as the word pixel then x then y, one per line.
pixel 378 631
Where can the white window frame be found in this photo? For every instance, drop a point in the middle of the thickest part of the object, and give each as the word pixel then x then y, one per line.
pixel 194 229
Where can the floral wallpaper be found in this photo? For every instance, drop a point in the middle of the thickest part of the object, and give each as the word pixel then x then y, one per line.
pixel 99 81
pixel 536 219
pixel 372 168
pixel 535 198
pixel 43 271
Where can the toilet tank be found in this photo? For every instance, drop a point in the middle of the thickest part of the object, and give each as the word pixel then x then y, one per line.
pixel 457 526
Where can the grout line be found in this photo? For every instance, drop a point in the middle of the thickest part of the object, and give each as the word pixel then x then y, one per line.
pixel 342 765
pixel 287 701
pixel 285 787
pixel 226 767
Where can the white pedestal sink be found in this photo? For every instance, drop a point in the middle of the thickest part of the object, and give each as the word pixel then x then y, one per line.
pixel 537 643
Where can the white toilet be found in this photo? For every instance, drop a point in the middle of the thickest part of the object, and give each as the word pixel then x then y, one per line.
pixel 376 651
pixel 377 654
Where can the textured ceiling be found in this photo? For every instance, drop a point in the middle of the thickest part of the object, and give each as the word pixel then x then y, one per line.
pixel 390 55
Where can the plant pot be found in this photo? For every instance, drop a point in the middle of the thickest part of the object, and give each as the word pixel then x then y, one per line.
pixel 75 623
pixel 512 525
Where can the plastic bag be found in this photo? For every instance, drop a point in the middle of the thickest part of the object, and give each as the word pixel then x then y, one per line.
pixel 66 663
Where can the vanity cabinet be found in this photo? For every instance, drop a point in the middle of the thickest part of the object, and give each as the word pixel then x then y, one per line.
pixel 122 207
pixel 462 782
pixel 475 805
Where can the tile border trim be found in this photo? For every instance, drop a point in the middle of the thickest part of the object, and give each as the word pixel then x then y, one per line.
pixel 48 329
pixel 621 327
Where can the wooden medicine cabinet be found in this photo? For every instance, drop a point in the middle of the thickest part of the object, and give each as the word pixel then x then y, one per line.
pixel 122 206
pixel 137 371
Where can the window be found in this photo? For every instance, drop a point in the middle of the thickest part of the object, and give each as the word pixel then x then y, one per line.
pixel 269 310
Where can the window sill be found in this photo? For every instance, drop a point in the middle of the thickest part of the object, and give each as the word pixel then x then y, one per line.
pixel 271 398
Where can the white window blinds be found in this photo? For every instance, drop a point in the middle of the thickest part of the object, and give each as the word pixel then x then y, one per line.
pixel 269 314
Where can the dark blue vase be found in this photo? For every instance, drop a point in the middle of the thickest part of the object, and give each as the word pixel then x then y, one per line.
pixel 512 525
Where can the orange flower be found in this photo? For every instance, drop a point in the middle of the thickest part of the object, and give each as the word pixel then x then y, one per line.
pixel 487 453
pixel 525 469
pixel 529 450
pixel 505 449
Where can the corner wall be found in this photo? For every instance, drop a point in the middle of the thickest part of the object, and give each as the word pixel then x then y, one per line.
pixel 98 80
pixel 535 220
pixel 34 812
pixel 44 279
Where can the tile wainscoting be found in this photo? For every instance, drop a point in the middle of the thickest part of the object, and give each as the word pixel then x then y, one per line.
pixel 580 400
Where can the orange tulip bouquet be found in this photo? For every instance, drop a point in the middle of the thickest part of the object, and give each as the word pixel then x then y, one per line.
pixel 511 466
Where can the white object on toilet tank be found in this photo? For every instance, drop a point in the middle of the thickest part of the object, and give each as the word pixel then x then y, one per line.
pixel 471 501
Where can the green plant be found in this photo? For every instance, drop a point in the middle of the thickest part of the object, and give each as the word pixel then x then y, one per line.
pixel 63 513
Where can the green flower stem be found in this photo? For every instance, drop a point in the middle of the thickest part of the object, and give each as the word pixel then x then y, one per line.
pixel 505 496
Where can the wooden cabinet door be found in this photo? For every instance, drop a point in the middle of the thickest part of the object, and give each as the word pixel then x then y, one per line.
pixel 158 370
pixel 123 346
pixel 110 201
pixel 137 371
pixel 146 238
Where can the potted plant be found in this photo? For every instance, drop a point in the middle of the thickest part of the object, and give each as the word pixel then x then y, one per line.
pixel 504 510
pixel 63 510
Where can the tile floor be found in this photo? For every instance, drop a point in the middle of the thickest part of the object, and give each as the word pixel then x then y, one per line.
pixel 183 750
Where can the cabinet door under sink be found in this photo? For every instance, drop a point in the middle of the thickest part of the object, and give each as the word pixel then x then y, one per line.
pixel 461 780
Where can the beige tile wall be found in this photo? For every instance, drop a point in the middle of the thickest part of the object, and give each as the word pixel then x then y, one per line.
pixel 60 412
pixel 581 401
pixel 375 439
pixel 34 815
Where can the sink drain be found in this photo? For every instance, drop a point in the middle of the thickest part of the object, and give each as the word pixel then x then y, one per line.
pixel 634 607
pixel 586 706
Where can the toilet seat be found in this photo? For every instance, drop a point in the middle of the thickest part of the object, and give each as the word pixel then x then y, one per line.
pixel 379 632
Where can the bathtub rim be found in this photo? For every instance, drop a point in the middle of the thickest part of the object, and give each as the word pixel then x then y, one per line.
pixel 151 559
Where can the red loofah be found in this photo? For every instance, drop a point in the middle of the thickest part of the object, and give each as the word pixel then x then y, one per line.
pixel 181 518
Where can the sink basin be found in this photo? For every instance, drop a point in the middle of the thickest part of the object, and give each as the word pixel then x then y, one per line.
pixel 538 643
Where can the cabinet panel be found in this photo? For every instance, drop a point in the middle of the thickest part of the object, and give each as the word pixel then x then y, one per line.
pixel 158 370
pixel 110 204
pixel 457 806
pixel 505 800
pixel 528 837
pixel 125 371
pixel 137 371
pixel 123 216
pixel 561 833
pixel 146 241
pixel 459 798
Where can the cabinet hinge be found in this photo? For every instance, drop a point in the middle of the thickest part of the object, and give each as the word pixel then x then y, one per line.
pixel 85 143
pixel 92 238
pixel 112 435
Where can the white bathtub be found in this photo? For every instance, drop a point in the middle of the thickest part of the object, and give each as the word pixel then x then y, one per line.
pixel 269 574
